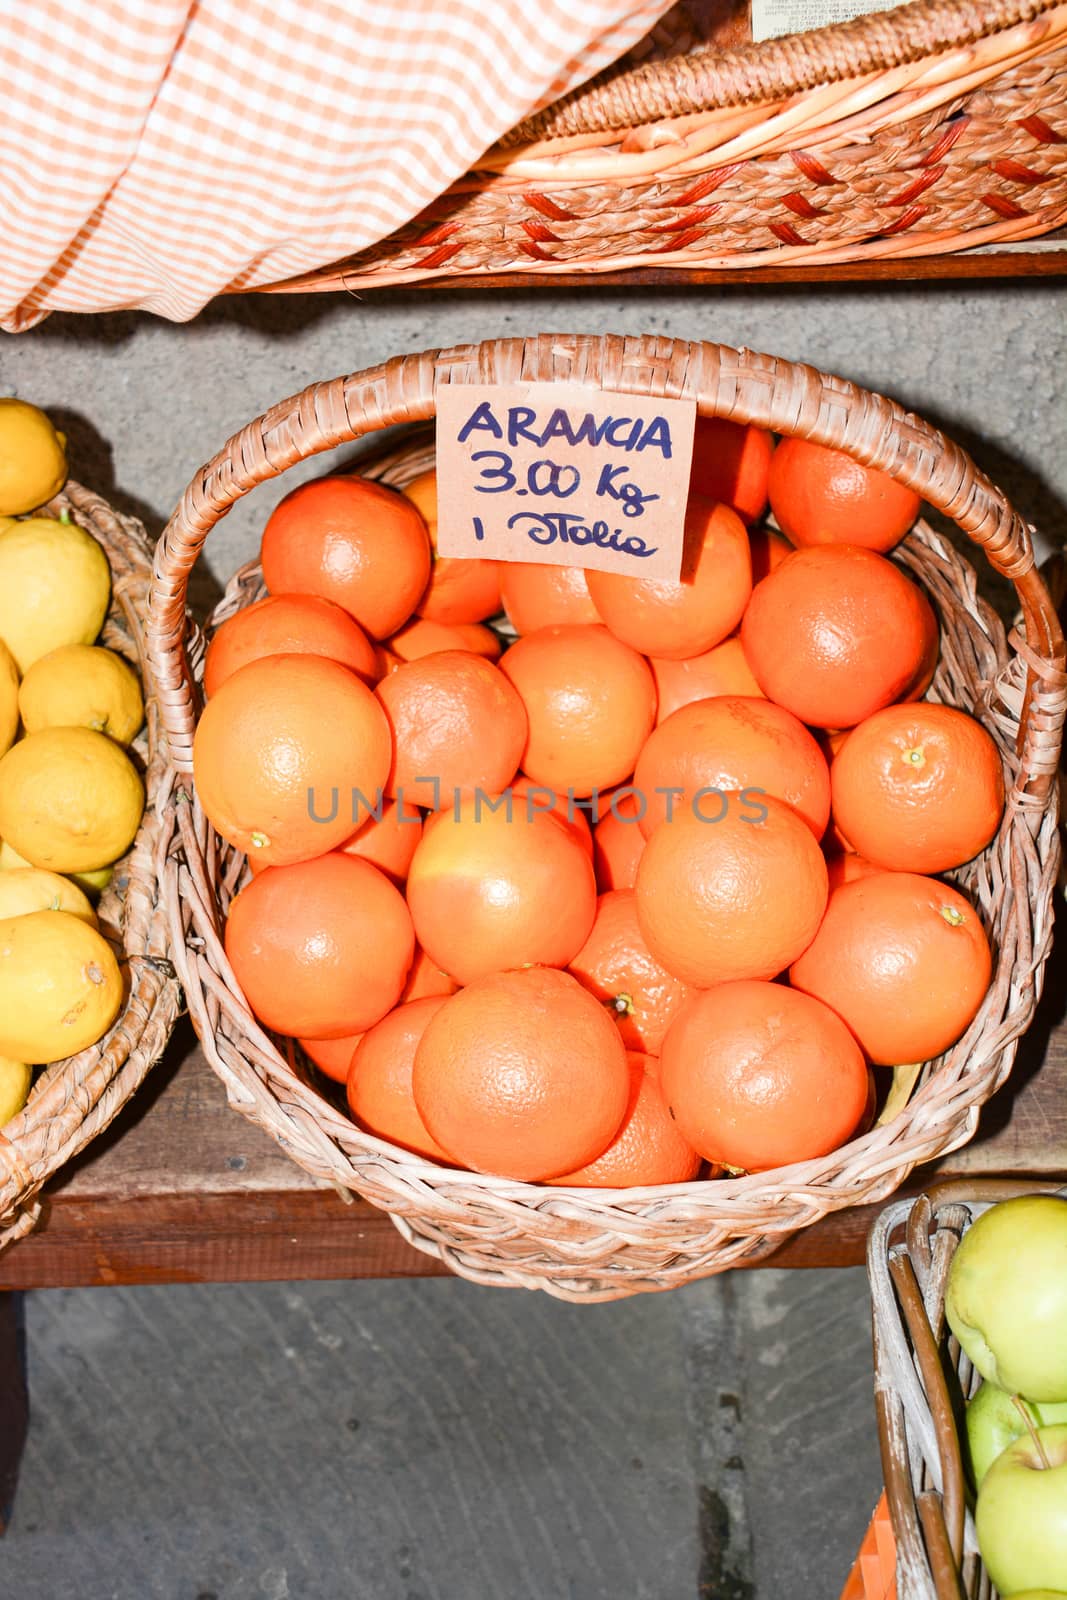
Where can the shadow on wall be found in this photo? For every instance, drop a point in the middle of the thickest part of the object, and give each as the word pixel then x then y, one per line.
pixel 92 462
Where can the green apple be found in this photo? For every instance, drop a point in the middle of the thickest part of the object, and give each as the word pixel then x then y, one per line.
pixel 1039 1594
pixel 1021 1517
pixel 994 1421
pixel 1006 1297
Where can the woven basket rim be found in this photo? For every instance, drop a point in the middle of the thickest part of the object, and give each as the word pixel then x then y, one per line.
pixel 800 151
pixel 748 387
pixel 74 1100
pixel 771 69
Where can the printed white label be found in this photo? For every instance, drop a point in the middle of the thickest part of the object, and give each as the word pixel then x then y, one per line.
pixel 772 19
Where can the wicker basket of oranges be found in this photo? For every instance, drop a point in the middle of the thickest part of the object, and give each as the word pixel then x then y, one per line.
pixel 569 1058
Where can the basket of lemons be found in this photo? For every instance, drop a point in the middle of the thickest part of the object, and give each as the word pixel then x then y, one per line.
pixel 87 994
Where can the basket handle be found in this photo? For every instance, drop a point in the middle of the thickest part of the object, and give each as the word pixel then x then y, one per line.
pixel 741 385
pixel 772 70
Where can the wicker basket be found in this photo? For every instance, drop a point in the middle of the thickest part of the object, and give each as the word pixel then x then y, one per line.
pixel 73 1100
pixel 932 128
pixel 921 1375
pixel 587 1245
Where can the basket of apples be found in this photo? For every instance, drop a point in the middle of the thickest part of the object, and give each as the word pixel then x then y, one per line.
pixel 969 1293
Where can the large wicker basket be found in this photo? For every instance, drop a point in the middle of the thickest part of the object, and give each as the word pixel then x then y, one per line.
pixel 587 1245
pixel 928 129
pixel 73 1100
pixel 921 1379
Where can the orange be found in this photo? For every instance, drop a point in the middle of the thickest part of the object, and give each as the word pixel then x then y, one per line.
pixel 425 979
pixel 288 624
pixel 904 960
pixel 757 1076
pixel 823 496
pixel 388 838
pixel 731 461
pixel 351 541
pixel 835 633
pixel 769 550
pixel 568 812
pixel 732 742
pixel 618 843
pixel 280 752
pixel 538 595
pixel 918 788
pixel 321 949
pixel 333 1057
pixel 488 892
pixel 590 702
pixel 924 676
pixel 379 1079
pixel 735 898
pixel 459 590
pixel 617 966
pixel 457 725
pixel 721 670
pixel 421 637
pixel 846 867
pixel 522 1074
pixel 648 1149
pixel 674 620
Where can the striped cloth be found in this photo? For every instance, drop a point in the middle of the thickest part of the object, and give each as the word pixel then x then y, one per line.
pixel 155 153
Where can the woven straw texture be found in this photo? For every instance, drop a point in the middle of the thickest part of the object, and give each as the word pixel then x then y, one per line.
pixel 589 1245
pixel 74 1100
pixel 918 1366
pixel 929 129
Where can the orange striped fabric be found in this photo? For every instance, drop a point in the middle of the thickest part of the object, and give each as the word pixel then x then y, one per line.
pixel 155 153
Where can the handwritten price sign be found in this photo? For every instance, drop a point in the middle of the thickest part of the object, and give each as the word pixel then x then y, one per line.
pixel 559 473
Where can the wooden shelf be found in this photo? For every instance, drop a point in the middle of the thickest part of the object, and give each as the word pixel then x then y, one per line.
pixel 1034 258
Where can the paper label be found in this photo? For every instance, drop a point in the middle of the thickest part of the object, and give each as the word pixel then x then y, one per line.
pixel 563 474
pixel 772 19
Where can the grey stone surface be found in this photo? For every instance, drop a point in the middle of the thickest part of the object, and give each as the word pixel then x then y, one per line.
pixel 437 1441
pixel 433 1441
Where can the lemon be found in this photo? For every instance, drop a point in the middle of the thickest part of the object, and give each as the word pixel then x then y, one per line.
pixel 60 986
pixel 33 458
pixel 91 882
pixel 9 698
pixel 54 587
pixel 82 686
pixel 15 1080
pixel 10 860
pixel 28 889
pixel 70 799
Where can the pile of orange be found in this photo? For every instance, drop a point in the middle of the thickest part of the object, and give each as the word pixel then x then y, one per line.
pixel 645 893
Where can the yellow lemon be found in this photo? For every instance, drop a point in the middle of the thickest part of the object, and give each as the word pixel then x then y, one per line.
pixel 9 698
pixel 60 986
pixel 89 882
pixel 70 799
pixel 33 458
pixel 82 686
pixel 54 587
pixel 10 860
pixel 28 889
pixel 92 882
pixel 15 1080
